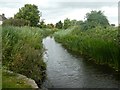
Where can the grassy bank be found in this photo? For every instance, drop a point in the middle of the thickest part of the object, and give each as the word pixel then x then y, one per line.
pixel 11 80
pixel 99 44
pixel 22 51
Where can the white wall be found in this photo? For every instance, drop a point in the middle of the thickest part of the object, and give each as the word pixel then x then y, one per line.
pixel 0 22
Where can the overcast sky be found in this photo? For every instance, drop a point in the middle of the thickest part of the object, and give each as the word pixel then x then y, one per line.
pixel 55 10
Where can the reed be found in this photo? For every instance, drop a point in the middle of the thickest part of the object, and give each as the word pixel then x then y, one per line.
pixel 99 44
pixel 22 51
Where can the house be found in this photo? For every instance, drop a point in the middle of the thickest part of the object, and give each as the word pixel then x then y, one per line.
pixel 2 18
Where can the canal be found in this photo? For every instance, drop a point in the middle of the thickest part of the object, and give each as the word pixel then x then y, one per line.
pixel 65 70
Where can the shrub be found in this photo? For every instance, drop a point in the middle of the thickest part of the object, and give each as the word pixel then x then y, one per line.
pixel 16 22
pixel 23 50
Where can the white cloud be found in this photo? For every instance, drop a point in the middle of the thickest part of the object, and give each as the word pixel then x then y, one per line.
pixel 54 10
pixel 7 11
pixel 111 13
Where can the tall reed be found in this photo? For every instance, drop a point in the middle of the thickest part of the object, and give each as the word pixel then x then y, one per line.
pixel 98 44
pixel 22 51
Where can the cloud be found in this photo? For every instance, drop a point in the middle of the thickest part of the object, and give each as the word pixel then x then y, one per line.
pixel 7 11
pixel 86 4
pixel 54 10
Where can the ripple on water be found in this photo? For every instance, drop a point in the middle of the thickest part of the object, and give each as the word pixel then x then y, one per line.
pixel 68 71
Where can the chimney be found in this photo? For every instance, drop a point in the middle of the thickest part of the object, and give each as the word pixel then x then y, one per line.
pixel 3 15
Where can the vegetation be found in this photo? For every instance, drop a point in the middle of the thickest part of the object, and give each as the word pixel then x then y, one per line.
pixel 97 44
pixel 92 20
pixel 50 26
pixel 93 38
pixel 13 80
pixel 16 22
pixel 42 24
pixel 97 18
pixel 59 25
pixel 22 48
pixel 67 23
pixel 29 12
pixel 22 51
pixel 0 57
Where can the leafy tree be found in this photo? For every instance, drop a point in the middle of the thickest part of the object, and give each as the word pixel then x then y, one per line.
pixel 73 22
pixel 67 23
pixel 29 12
pixel 42 24
pixel 59 25
pixel 95 18
pixel 118 35
pixel 50 26
pixel 80 22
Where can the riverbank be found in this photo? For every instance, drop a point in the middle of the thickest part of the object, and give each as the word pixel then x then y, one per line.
pixel 98 45
pixel 65 70
pixel 15 80
pixel 22 51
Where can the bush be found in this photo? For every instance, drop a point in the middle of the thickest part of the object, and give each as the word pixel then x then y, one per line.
pixel 23 50
pixel 16 22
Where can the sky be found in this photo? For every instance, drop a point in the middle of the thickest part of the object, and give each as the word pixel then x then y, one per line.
pixel 56 10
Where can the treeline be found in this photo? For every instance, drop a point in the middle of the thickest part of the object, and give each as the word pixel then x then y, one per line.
pixel 29 15
pixel 94 39
pixel 93 19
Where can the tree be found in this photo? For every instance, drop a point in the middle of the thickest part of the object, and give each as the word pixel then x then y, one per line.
pixel 59 25
pixel 50 26
pixel 118 35
pixel 29 12
pixel 42 24
pixel 95 18
pixel 67 23
pixel 80 22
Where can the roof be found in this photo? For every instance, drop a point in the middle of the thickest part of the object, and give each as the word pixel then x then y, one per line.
pixel 2 18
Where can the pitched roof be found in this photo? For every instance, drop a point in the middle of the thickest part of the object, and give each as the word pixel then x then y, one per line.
pixel 2 17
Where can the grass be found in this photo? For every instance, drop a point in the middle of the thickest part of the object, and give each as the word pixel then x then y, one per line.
pixel 11 80
pixel 23 50
pixel 99 44
pixel 0 57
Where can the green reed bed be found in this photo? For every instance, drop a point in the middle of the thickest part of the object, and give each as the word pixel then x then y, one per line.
pixel 99 45
pixel 22 51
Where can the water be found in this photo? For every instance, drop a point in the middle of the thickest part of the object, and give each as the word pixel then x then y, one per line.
pixel 67 71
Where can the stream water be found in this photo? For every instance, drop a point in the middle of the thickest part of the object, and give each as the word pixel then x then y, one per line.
pixel 65 70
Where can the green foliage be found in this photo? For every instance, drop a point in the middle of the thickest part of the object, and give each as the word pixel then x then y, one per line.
pixel 29 12
pixel 73 22
pixel 119 35
pixel 94 19
pixel 42 24
pixel 11 80
pixel 50 26
pixel 67 23
pixel 16 22
pixel 59 25
pixel 98 44
pixel 22 51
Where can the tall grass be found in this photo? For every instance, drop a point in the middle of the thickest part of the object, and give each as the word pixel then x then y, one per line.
pixel 99 45
pixel 22 51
